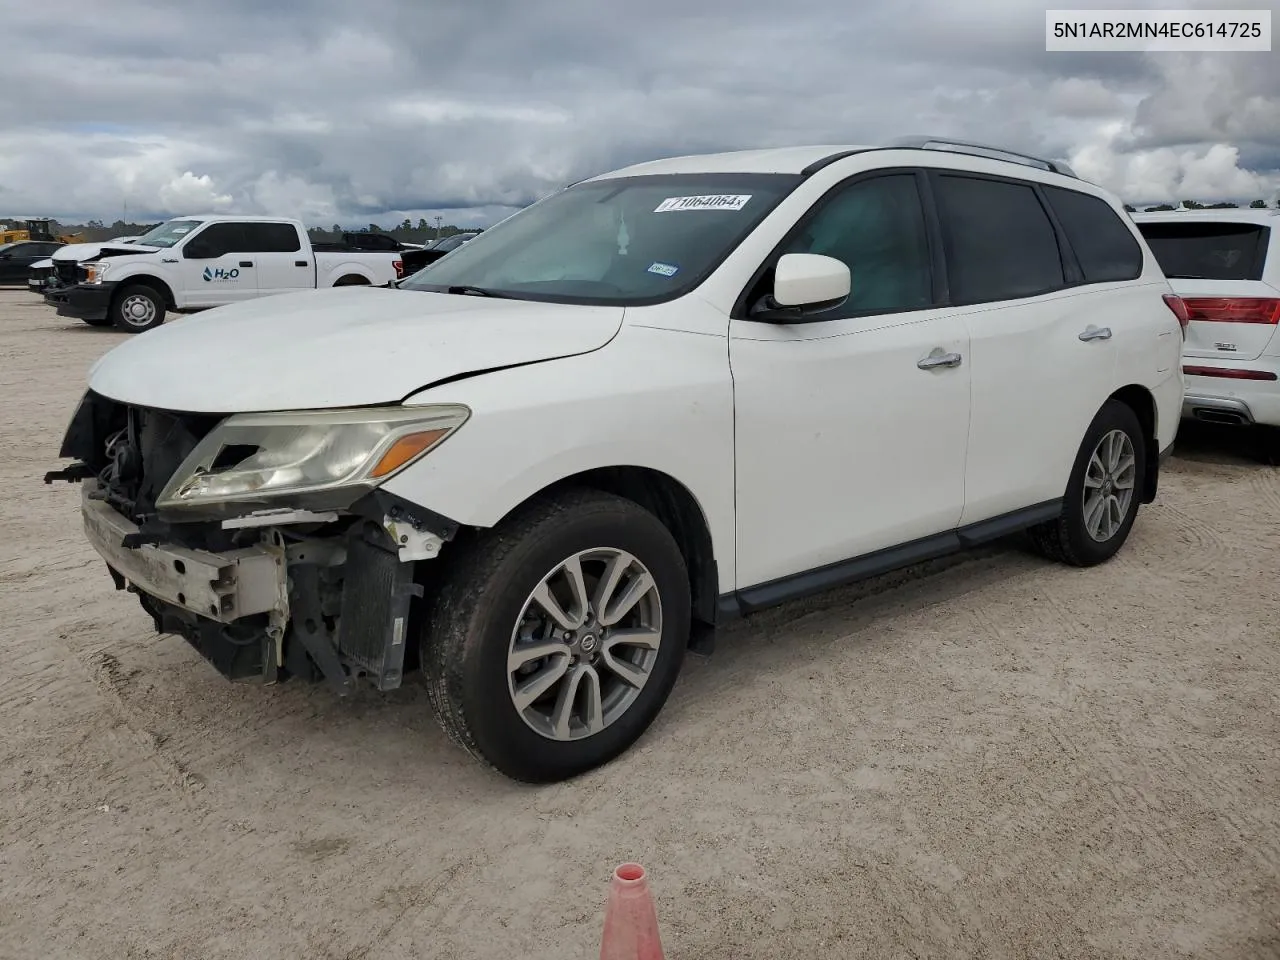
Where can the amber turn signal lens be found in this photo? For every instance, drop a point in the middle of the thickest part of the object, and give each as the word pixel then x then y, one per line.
pixel 405 449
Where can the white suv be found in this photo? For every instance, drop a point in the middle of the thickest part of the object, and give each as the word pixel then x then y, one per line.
pixel 1225 264
pixel 652 400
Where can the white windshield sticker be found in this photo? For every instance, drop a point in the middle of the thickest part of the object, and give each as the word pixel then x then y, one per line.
pixel 181 229
pixel 664 269
pixel 715 202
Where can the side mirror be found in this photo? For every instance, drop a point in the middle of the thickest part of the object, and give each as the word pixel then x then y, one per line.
pixel 805 285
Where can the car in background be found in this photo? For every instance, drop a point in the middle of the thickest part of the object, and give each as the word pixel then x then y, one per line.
pixel 435 250
pixel 1225 265
pixel 16 259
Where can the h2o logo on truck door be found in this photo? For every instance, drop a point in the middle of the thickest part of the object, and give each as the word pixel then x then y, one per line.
pixel 217 273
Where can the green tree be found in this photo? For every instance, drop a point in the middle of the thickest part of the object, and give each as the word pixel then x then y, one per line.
pixel 1160 208
pixel 422 224
pixel 1130 209
pixel 1192 205
pixel 1258 205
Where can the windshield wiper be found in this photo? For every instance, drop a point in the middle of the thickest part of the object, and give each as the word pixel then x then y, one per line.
pixel 471 291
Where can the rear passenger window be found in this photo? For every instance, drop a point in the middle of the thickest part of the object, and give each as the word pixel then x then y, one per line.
pixel 271 238
pixel 1102 243
pixel 999 242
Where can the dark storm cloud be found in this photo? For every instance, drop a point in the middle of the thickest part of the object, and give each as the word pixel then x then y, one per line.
pixel 333 110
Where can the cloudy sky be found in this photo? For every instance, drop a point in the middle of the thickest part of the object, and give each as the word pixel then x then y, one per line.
pixel 371 110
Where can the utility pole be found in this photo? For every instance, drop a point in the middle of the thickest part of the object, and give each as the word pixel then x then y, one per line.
pixel 438 219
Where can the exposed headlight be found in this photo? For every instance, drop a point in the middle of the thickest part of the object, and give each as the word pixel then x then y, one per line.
pixel 95 272
pixel 321 459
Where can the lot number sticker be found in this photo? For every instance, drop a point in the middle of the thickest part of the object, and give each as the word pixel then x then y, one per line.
pixel 664 269
pixel 715 202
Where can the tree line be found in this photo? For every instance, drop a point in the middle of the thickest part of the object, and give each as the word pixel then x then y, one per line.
pixel 1194 205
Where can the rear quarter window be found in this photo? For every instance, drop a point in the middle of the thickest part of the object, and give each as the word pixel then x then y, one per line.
pixel 1104 246
pixel 1208 251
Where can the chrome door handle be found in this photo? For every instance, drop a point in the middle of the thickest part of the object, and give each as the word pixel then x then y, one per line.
pixel 939 359
pixel 1095 333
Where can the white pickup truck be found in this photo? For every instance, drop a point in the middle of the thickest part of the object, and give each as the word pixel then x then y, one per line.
pixel 193 263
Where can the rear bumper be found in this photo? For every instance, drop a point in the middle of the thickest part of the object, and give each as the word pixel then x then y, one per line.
pixel 85 301
pixel 1230 400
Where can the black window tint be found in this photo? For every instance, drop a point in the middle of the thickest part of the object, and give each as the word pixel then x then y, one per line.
pixel 999 242
pixel 1102 243
pixel 877 228
pixel 270 238
pixel 1213 251
pixel 219 239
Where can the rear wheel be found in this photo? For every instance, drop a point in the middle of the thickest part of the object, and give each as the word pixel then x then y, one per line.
pixel 136 309
pixel 557 637
pixel 1103 493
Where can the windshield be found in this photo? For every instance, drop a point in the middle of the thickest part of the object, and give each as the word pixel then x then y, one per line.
pixel 624 241
pixel 167 234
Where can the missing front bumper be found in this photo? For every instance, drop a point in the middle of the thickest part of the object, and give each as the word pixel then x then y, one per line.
pixel 224 587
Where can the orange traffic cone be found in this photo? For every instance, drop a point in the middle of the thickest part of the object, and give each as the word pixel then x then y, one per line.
pixel 630 919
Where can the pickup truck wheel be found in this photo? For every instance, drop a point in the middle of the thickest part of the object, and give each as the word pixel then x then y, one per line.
pixel 98 321
pixel 1103 493
pixel 136 309
pixel 557 636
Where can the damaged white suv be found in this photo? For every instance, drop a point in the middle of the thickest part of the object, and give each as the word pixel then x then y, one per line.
pixel 662 397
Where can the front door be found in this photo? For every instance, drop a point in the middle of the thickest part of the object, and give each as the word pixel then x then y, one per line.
pixel 851 433
pixel 215 267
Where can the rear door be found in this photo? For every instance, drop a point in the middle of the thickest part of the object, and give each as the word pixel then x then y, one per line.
pixel 1041 358
pixel 279 257
pixel 1219 267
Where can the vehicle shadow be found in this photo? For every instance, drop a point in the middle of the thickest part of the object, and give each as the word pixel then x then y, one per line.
pixel 1226 445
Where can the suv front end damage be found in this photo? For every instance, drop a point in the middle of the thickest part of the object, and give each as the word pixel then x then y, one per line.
pixel 264 539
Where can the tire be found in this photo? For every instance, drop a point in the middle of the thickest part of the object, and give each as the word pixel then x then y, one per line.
pixel 477 621
pixel 1068 538
pixel 98 321
pixel 137 309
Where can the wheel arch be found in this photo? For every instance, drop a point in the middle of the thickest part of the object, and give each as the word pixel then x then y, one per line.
pixel 352 280
pixel 676 508
pixel 1141 401
pixel 147 280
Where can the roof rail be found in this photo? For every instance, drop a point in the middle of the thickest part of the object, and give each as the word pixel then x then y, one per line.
pixel 950 145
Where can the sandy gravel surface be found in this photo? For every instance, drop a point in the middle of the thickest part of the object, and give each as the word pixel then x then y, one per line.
pixel 992 758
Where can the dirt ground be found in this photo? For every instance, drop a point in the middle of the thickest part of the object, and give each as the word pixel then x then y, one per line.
pixel 989 758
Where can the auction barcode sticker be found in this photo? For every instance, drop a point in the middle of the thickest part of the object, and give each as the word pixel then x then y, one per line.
pixel 1158 31
pixel 715 202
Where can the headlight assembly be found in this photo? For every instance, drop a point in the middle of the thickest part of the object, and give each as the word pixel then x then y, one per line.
pixel 315 458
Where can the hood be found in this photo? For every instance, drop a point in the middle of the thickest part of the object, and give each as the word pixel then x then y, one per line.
pixel 344 347
pixel 82 252
pixel 42 265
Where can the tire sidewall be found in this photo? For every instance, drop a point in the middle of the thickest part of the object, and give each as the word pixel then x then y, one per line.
pixel 1112 416
pixel 496 726
pixel 117 309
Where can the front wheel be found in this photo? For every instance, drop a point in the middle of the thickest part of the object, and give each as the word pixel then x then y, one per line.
pixel 98 321
pixel 1103 493
pixel 136 309
pixel 556 638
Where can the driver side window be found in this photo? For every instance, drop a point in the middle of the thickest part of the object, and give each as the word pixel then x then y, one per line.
pixel 877 228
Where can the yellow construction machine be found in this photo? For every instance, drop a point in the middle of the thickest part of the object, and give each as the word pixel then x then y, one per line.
pixel 20 229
